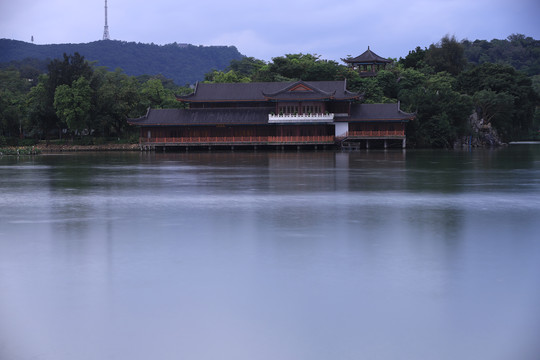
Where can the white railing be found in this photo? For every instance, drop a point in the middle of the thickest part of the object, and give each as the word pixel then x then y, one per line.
pixel 295 118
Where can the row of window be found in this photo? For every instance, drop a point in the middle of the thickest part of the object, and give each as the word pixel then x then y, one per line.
pixel 295 109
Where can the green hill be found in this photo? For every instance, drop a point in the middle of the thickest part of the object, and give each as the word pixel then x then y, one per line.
pixel 520 51
pixel 181 62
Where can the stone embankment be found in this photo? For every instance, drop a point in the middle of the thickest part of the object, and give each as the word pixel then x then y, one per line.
pixel 103 147
pixel 53 148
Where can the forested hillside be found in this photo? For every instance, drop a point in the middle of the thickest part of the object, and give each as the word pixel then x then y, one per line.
pixel 520 51
pixel 185 64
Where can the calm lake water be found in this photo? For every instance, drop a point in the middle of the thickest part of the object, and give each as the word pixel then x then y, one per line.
pixel 271 255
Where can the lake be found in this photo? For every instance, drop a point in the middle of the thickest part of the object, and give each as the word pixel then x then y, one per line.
pixel 271 255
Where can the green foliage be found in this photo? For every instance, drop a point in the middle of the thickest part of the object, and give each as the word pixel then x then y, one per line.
pixel 185 64
pixel 230 76
pixel 72 104
pixel 535 80
pixel 247 66
pixel 29 68
pixel 415 59
pixel 12 101
pixel 41 114
pixel 20 151
pixel 442 112
pixel 504 96
pixel 293 67
pixel 448 55
pixel 494 107
pixel 118 98
pixel 518 51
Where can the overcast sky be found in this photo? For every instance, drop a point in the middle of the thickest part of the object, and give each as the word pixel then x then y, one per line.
pixel 266 29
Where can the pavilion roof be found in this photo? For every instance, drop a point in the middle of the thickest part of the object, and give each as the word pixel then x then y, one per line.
pixel 367 57
pixel 264 91
pixel 171 117
pixel 378 112
pixel 259 115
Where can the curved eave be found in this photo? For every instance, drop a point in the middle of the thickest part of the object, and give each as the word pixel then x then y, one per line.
pixel 220 101
pixel 318 92
pixel 378 120
pixel 209 124
pixel 184 98
pixel 367 62
pixel 332 98
pixel 298 99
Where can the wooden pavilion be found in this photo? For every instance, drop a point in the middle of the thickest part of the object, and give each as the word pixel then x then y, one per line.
pixel 367 64
pixel 315 113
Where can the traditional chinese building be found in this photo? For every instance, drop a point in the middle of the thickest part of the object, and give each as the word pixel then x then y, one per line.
pixel 367 64
pixel 315 113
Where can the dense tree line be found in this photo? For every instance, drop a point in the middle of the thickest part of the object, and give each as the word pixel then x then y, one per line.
pixel 519 51
pixel 74 97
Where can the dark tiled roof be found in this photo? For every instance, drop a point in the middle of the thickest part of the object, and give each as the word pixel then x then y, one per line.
pixel 377 112
pixel 259 116
pixel 368 57
pixel 260 91
pixel 167 117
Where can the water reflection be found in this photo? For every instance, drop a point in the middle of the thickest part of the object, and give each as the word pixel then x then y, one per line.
pixel 271 255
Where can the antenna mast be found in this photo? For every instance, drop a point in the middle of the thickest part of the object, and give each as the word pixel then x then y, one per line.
pixel 106 29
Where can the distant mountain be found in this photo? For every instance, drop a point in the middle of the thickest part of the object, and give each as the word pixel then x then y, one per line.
pixel 183 63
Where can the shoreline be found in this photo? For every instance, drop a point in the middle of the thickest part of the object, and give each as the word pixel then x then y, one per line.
pixel 75 148
pixel 59 148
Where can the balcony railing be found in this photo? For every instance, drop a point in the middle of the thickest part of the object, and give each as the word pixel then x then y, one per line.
pixel 300 139
pixel 205 139
pixel 297 118
pixel 376 133
pixel 196 140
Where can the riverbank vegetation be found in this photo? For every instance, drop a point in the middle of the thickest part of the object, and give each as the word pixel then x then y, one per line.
pixel 475 92
pixel 462 92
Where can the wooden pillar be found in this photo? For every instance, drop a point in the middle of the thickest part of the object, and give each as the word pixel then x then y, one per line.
pixel 404 143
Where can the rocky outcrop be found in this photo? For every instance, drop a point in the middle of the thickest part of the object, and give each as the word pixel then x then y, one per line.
pixel 483 135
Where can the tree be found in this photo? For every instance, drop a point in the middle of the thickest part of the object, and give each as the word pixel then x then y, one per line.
pixel 494 106
pixel 415 59
pixel 72 104
pixel 41 114
pixel 293 67
pixel 65 72
pixel 13 90
pixel 154 95
pixel 442 112
pixel 520 51
pixel 497 79
pixel 448 55
pixel 118 98
pixel 247 66
pixel 230 76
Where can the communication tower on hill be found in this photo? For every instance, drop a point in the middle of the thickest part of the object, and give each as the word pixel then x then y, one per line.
pixel 106 29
